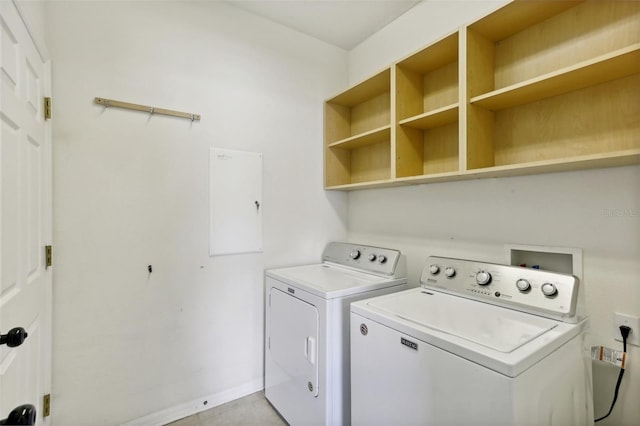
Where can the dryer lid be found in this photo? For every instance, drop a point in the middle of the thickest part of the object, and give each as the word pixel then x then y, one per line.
pixel 496 328
pixel 330 281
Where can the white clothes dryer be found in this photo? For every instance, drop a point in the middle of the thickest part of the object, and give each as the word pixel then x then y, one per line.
pixel 476 344
pixel 307 328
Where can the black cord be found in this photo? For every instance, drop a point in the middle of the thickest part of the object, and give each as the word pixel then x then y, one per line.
pixel 624 330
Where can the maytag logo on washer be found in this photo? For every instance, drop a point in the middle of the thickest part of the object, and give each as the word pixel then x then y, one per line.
pixel 409 343
pixel 290 290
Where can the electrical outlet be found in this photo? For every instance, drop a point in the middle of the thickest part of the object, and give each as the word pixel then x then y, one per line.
pixel 629 321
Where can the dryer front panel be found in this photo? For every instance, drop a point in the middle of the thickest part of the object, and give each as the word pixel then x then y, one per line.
pixel 293 342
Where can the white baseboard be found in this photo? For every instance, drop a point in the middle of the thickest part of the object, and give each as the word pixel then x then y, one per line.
pixel 204 403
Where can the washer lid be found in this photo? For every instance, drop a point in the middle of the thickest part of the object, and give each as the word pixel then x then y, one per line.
pixel 501 339
pixel 502 330
pixel 331 281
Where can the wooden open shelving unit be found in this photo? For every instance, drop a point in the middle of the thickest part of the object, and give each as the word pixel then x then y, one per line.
pixel 358 133
pixel 533 87
pixel 427 108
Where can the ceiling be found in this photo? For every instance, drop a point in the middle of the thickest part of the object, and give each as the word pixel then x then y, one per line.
pixel 343 23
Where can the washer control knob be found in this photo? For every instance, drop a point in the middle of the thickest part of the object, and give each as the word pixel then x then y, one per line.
pixel 382 258
pixel 523 285
pixel 549 289
pixel 354 254
pixel 483 277
pixel 372 257
pixel 450 271
pixel 434 269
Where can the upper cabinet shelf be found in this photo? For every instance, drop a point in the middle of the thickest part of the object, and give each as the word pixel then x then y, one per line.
pixel 359 110
pixel 562 87
pixel 371 137
pixel 611 66
pixel 434 118
pixel 533 87
pixel 427 110
pixel 518 16
pixel 357 135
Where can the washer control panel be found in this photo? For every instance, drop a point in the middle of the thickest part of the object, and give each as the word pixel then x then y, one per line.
pixel 545 293
pixel 378 260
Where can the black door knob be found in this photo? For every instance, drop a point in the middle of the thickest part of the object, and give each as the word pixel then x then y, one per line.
pixel 24 415
pixel 14 337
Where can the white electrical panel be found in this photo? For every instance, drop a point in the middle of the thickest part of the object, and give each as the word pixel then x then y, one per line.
pixel 235 202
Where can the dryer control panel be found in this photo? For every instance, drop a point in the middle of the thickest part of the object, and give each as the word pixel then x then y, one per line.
pixel 550 294
pixel 377 260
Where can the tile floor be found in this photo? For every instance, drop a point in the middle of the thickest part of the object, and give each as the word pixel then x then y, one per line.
pixel 248 411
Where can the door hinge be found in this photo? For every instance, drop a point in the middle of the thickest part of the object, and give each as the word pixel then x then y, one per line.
pixel 47 108
pixel 46 405
pixel 48 256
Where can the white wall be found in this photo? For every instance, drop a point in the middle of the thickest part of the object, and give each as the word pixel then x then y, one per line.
pixel 130 190
pixel 596 210
pixel 427 21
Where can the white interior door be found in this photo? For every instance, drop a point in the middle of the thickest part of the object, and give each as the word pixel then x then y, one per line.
pixel 25 215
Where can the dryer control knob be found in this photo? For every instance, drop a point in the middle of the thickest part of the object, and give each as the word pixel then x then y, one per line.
pixel 523 285
pixel 549 289
pixel 450 271
pixel 354 254
pixel 483 277
pixel 372 257
pixel 434 269
pixel 382 258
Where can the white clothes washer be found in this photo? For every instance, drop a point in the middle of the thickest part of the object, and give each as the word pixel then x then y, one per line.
pixel 307 328
pixel 476 344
